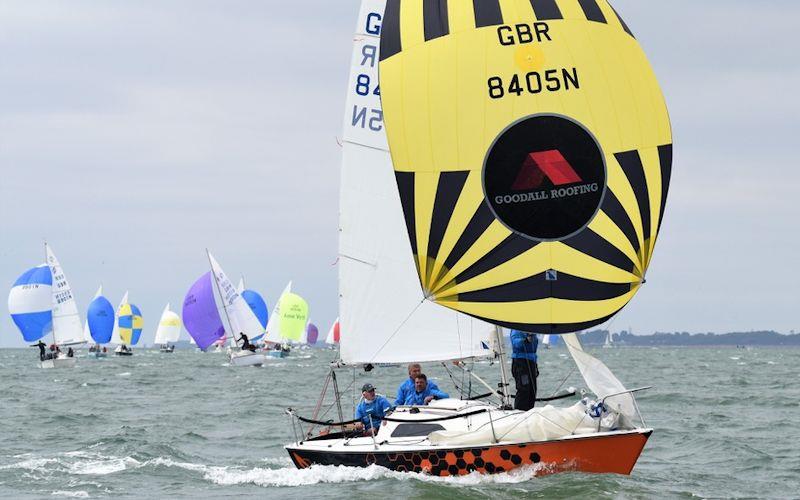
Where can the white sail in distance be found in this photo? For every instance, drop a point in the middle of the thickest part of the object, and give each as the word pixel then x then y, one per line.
pixel 240 316
pixel 67 328
pixel 169 328
pixel 383 313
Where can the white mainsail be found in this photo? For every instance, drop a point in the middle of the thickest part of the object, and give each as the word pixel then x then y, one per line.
pixel 67 328
pixel 240 316
pixel 115 338
pixel 87 335
pixel 169 328
pixel 273 330
pixel 382 308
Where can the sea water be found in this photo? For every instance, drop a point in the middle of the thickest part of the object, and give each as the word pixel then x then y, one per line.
pixel 188 425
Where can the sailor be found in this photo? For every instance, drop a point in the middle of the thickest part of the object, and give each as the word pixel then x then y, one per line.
pixel 524 368
pixel 41 345
pixel 246 345
pixel 371 410
pixel 423 392
pixel 70 352
pixel 407 387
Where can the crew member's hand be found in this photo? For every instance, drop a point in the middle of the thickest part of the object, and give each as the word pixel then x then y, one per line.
pixel 428 399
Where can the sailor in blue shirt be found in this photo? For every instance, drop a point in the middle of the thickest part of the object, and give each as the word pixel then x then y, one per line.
pixel 524 368
pixel 423 392
pixel 407 387
pixel 371 410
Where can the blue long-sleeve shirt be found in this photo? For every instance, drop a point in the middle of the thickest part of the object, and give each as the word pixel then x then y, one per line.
pixel 372 412
pixel 418 398
pixel 407 388
pixel 523 345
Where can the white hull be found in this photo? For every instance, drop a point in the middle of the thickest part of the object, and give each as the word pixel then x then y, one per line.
pixel 96 354
pixel 247 358
pixel 62 362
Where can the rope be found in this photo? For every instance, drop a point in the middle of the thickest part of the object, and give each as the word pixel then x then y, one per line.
pixel 437 419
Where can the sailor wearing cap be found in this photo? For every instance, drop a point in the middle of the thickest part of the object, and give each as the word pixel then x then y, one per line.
pixel 371 409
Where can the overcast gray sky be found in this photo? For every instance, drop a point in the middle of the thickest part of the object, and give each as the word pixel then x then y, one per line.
pixel 135 134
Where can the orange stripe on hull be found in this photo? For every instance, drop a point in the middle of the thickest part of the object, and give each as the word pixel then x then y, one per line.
pixel 614 454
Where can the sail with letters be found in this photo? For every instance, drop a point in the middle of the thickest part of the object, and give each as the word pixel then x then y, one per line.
pixel 381 307
pixel 533 159
pixel 200 313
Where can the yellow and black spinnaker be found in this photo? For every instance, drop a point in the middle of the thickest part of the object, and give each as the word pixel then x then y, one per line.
pixel 533 151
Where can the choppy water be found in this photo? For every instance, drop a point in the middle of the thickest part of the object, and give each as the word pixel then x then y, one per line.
pixel 188 425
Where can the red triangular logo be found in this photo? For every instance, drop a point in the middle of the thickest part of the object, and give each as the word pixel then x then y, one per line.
pixel 550 164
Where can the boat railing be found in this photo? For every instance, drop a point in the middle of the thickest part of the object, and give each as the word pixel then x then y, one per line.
pixel 635 404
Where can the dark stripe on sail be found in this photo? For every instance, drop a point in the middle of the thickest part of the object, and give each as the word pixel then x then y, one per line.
pixel 434 16
pixel 621 21
pixel 477 225
pixel 546 9
pixel 405 185
pixel 390 30
pixel 613 208
pixel 553 329
pixel 537 287
pixel 487 13
pixel 511 247
pixel 631 164
pixel 449 189
pixel 665 157
pixel 592 11
pixel 594 245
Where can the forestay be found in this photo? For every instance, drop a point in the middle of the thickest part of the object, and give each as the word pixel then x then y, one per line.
pixel 383 312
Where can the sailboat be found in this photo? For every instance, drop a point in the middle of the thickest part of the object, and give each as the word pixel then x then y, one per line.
pixel 609 343
pixel 128 328
pixel 332 339
pixel 204 323
pixel 41 303
pixel 286 323
pixel 99 325
pixel 311 335
pixel 526 204
pixel 169 330
pixel 257 304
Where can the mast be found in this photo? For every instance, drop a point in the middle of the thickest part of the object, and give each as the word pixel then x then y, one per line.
pixel 500 352
pixel 219 292
pixel 52 323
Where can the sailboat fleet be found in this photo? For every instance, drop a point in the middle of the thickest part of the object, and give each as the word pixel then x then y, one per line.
pixel 517 181
pixel 42 306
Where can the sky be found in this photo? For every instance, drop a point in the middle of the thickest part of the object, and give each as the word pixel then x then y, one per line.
pixel 134 135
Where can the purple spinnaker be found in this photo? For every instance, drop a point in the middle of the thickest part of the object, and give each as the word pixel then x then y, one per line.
pixel 200 314
pixel 312 333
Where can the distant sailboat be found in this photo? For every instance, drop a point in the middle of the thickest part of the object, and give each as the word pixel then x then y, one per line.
pixel 609 343
pixel 128 327
pixel 99 325
pixel 332 339
pixel 41 303
pixel 257 304
pixel 287 322
pixel 312 334
pixel 169 330
pixel 202 319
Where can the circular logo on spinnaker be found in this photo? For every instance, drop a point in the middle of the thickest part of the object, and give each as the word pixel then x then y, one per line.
pixel 544 177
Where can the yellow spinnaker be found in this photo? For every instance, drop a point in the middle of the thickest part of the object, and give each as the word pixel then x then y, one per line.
pixel 533 152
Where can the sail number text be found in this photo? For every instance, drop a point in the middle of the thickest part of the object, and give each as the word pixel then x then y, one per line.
pixel 534 82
